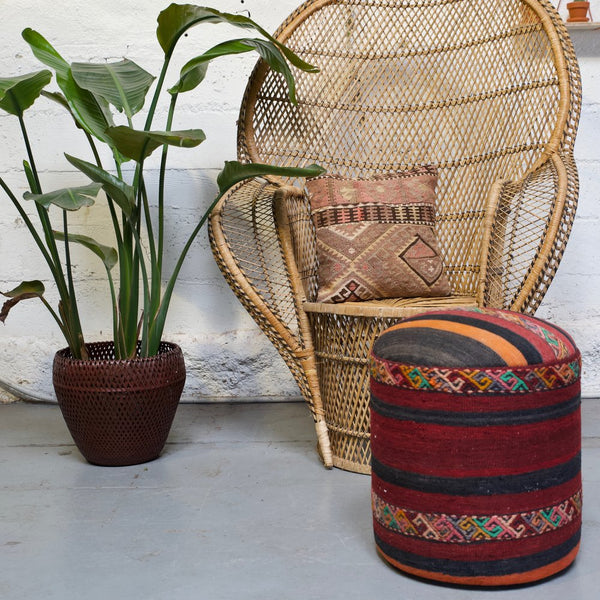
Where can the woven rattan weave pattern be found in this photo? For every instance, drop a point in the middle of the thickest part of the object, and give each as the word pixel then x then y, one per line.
pixel 489 93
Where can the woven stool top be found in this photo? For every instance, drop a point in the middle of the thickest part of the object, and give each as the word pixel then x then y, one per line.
pixel 475 338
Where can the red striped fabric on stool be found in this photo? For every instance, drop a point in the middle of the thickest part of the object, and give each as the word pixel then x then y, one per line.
pixel 476 444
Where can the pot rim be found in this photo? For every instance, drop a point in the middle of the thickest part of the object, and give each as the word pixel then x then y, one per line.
pixel 165 350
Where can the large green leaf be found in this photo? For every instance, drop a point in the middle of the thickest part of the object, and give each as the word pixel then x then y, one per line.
pixel 24 291
pixel 176 19
pixel 72 198
pixel 272 55
pixel 191 76
pixel 120 191
pixel 17 94
pixel 192 73
pixel 58 98
pixel 123 84
pixel 107 254
pixel 233 172
pixel 46 53
pixel 91 112
pixel 138 145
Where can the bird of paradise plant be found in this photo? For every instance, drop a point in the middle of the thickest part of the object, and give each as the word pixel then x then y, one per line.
pixel 91 92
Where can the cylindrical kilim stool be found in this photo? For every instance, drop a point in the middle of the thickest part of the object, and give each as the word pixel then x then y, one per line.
pixel 476 444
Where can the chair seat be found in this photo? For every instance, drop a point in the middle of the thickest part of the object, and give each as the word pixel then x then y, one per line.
pixel 390 307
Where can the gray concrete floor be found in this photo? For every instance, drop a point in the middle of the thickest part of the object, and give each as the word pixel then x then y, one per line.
pixel 237 507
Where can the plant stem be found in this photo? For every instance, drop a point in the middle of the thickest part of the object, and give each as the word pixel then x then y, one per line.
pixel 55 316
pixel 136 260
pixel 115 306
pixel 157 91
pixel 142 265
pixel 71 320
pixel 128 300
pixel 44 218
pixel 68 254
pixel 73 308
pixel 30 155
pixel 92 144
pixel 159 322
pixel 155 274
pixel 161 186
pixel 143 201
pixel 29 224
pixel 111 204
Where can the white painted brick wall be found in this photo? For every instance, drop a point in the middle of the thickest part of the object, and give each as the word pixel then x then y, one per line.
pixel 226 355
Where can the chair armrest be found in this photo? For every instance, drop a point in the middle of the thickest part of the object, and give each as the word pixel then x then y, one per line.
pixel 252 250
pixel 527 225
pixel 246 245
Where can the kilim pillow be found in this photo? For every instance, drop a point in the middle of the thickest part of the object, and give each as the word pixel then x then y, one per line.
pixel 376 237
pixel 476 445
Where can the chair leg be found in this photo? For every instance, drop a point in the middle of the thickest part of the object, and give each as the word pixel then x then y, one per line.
pixel 323 443
pixel 312 394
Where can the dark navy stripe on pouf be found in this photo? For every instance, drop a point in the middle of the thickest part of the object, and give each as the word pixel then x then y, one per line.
pixel 476 443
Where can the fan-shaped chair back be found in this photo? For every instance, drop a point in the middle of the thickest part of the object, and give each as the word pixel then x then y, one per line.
pixel 486 91
pixel 482 90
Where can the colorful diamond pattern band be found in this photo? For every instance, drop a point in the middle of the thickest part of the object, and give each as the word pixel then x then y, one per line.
pixel 461 380
pixel 465 529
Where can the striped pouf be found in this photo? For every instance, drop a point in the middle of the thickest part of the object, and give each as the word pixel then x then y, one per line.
pixel 476 443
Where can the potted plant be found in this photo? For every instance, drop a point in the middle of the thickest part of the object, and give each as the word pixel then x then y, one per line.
pixel 578 12
pixel 119 397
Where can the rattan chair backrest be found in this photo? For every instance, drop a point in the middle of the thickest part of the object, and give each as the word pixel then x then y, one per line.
pixel 483 90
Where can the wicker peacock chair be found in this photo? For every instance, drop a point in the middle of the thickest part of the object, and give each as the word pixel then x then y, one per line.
pixel 489 92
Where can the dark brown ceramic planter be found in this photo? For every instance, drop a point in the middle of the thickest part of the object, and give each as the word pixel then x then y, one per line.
pixel 119 412
pixel 578 12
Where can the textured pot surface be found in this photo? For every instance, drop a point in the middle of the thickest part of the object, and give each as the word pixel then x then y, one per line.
pixel 119 412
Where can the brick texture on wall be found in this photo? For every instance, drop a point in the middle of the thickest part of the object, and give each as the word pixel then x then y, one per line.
pixel 227 357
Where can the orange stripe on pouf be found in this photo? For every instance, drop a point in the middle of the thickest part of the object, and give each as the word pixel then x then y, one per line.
pixel 509 353
pixel 476 447
pixel 491 581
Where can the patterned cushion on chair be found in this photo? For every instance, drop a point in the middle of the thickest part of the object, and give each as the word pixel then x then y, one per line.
pixel 376 237
pixel 476 442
